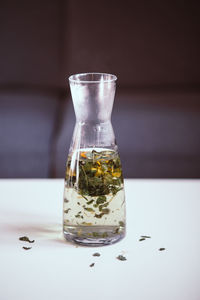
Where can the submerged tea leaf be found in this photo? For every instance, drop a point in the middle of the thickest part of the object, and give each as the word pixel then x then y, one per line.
pixel 101 199
pixel 99 215
pixel 116 230
pixel 95 234
pixel 89 209
pixel 78 215
pixel 104 235
pixel 90 202
pixel 121 223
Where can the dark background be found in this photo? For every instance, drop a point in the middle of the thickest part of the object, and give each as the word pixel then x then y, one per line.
pixel 152 46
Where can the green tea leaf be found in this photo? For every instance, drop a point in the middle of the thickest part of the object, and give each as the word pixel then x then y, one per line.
pixel 26 239
pixel 121 257
pixel 105 211
pixel 89 209
pixel 101 199
pixel 92 265
pixel 121 224
pixel 90 202
pixel 96 254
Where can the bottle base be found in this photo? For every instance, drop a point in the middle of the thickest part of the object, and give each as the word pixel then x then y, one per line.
pixel 94 237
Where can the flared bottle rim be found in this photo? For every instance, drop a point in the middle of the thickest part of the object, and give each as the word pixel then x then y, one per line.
pixel 92 77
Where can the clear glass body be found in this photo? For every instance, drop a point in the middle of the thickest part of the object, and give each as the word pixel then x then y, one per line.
pixel 94 200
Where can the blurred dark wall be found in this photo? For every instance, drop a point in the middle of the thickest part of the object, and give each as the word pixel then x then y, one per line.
pixel 152 46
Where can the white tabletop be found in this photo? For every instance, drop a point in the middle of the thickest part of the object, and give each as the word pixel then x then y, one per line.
pixel 167 210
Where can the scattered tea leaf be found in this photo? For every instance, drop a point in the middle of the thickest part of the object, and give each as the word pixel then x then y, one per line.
pixel 103 205
pixel 89 209
pixel 116 230
pixel 145 236
pixel 26 248
pixel 142 239
pixel 92 265
pixel 90 202
pixel 101 199
pixel 161 249
pixel 26 239
pixel 121 223
pixel 104 234
pixel 77 216
pixel 105 211
pixel 87 223
pixel 67 210
pixel 121 257
pixel 98 216
pixel 95 234
pixel 96 254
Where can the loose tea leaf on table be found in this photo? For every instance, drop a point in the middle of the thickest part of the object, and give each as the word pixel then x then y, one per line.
pixel 142 239
pixel 26 248
pixel 161 249
pixel 26 239
pixel 145 236
pixel 121 257
pixel 96 254
pixel 92 265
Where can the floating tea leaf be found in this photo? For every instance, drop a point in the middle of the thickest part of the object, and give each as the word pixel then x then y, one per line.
pixel 98 175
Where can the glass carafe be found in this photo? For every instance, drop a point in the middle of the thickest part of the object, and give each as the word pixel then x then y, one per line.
pixel 94 200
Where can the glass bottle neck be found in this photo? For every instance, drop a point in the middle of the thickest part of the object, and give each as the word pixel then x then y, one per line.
pixel 92 134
